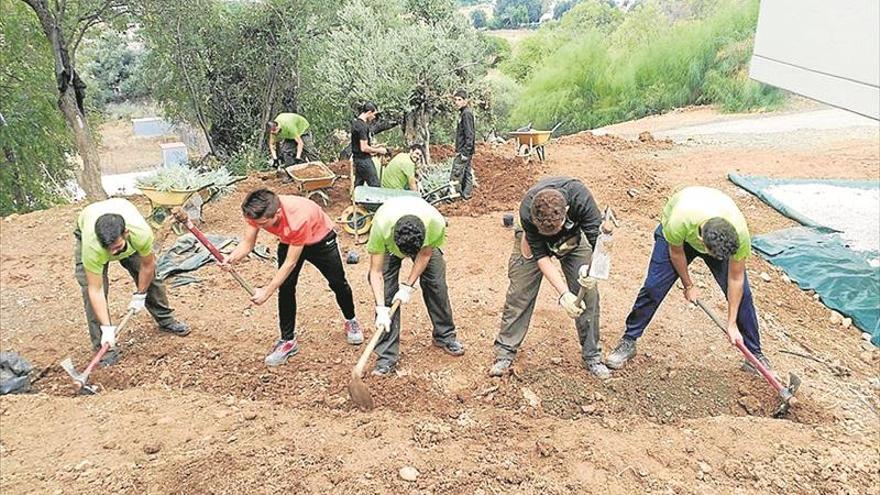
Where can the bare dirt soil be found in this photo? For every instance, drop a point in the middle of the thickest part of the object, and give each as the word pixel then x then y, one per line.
pixel 202 414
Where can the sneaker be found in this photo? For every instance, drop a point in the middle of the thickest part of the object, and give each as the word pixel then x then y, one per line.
pixel 283 350
pixel 178 328
pixel 749 368
pixel 453 347
pixel 383 370
pixel 109 358
pixel 624 351
pixel 353 333
pixel 599 370
pixel 501 367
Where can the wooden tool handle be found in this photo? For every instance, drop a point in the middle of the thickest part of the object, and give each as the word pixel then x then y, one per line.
pixel 358 370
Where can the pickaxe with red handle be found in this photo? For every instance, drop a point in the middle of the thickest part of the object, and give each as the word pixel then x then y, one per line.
pixel 183 218
pixel 786 394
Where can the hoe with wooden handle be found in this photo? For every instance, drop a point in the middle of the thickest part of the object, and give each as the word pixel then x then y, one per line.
pixel 358 391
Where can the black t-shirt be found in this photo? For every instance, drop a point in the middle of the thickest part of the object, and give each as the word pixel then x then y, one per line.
pixel 360 130
pixel 583 214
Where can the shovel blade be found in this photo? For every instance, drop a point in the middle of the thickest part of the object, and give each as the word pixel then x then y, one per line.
pixel 360 394
pixel 788 399
pixel 600 265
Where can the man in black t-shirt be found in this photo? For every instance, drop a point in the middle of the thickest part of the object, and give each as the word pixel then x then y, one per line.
pixel 559 218
pixel 465 138
pixel 362 150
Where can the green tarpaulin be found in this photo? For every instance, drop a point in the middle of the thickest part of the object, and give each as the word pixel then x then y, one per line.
pixel 823 256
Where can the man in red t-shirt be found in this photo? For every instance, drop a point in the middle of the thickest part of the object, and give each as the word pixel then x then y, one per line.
pixel 305 233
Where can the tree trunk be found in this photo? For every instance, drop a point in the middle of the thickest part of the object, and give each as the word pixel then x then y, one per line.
pixel 89 177
pixel 416 129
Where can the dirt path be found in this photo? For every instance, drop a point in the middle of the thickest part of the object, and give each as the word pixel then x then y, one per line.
pixel 203 415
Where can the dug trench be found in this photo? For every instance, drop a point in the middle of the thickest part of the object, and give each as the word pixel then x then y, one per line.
pixel 202 414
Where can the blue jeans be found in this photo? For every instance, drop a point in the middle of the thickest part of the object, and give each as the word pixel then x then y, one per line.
pixel 662 275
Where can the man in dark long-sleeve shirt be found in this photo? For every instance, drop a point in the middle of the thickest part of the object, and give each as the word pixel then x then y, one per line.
pixel 465 141
pixel 559 218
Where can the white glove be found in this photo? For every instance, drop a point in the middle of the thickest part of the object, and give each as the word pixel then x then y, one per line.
pixel 571 305
pixel 108 335
pixel 584 275
pixel 404 294
pixel 383 317
pixel 138 302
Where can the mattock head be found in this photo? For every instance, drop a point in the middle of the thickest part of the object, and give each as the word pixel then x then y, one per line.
pixel 787 395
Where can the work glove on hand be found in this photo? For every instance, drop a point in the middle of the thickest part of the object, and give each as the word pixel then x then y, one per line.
pixel 138 302
pixel 108 335
pixel 584 275
pixel 404 294
pixel 383 317
pixel 571 305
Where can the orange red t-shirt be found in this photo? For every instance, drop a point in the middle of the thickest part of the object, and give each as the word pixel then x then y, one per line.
pixel 302 223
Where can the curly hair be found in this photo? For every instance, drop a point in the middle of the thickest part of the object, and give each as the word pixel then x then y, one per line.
pixel 548 211
pixel 409 234
pixel 720 238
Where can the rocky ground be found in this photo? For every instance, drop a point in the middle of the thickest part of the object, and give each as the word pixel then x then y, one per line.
pixel 202 414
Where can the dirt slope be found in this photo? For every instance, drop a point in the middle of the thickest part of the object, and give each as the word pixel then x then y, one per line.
pixel 202 414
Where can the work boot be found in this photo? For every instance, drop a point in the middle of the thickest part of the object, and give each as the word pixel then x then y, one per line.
pixel 383 370
pixel 109 358
pixel 748 368
pixel 501 367
pixel 353 333
pixel 178 328
pixel 453 347
pixel 599 370
pixel 624 351
pixel 283 350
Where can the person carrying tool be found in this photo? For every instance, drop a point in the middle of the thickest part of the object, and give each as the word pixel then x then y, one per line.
pixel 362 150
pixel 305 233
pixel 409 227
pixel 114 230
pixel 697 222
pixel 400 172
pixel 290 141
pixel 465 139
pixel 558 218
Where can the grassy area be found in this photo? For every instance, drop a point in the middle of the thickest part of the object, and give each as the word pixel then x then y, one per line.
pixel 589 76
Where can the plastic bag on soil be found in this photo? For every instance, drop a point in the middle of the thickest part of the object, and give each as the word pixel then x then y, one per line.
pixel 14 373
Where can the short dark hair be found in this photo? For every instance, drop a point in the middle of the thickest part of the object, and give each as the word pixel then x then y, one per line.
pixel 368 107
pixel 416 146
pixel 548 209
pixel 260 203
pixel 720 237
pixel 409 234
pixel 108 228
pixel 271 125
pixel 461 93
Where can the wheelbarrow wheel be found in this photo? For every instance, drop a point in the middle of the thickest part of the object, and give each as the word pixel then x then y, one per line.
pixel 525 152
pixel 317 195
pixel 363 223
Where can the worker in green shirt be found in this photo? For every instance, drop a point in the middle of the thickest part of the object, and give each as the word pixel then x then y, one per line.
pixel 290 141
pixel 697 222
pixel 409 227
pixel 400 172
pixel 114 230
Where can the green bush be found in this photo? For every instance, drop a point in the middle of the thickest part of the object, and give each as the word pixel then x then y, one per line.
pixel 593 79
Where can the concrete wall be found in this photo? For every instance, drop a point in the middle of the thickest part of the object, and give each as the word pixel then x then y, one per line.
pixel 824 50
